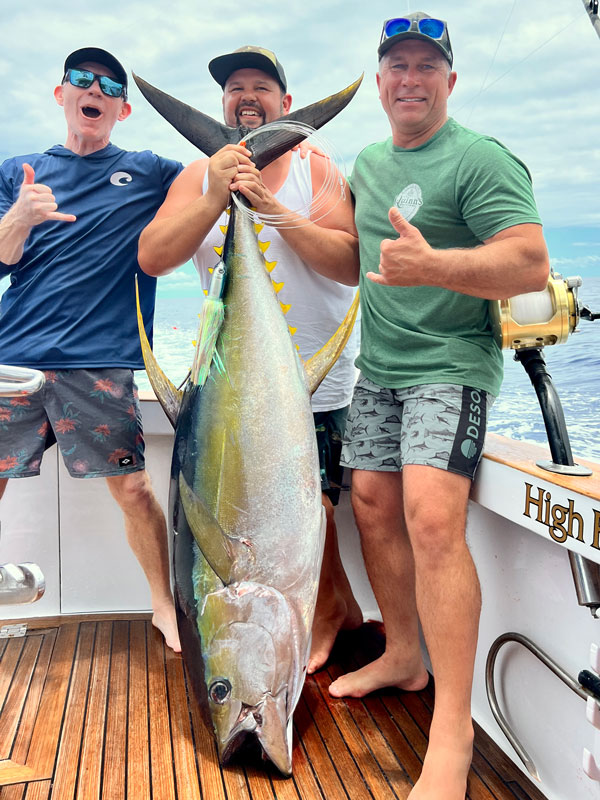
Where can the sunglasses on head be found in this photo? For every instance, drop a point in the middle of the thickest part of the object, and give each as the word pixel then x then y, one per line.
pixel 83 79
pixel 433 28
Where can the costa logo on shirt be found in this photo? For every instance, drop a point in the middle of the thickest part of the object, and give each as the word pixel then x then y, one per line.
pixel 120 178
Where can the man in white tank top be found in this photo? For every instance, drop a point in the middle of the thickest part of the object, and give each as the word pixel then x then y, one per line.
pixel 317 263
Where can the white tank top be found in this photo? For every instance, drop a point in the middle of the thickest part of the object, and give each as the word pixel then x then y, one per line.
pixel 317 304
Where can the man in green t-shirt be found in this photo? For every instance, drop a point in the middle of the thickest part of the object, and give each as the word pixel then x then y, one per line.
pixel 446 221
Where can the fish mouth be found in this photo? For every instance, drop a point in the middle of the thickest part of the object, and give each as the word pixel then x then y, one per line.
pixel 268 723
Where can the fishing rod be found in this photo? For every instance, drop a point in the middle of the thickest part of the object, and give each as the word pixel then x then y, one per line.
pixel 591 6
pixel 526 324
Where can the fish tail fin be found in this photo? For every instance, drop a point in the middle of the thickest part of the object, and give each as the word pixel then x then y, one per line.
pixel 208 135
pixel 318 366
pixel 169 396
pixel 201 130
pixel 268 144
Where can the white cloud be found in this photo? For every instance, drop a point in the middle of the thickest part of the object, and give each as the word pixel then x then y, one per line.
pixel 566 265
pixel 545 107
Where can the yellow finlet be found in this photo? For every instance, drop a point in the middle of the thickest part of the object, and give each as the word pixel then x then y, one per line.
pixel 277 286
pixel 263 246
pixel 270 265
pixel 218 250
pixel 258 226
pixel 194 342
pixel 285 308
pixel 292 330
pixel 223 229
pixel 168 394
pixel 206 294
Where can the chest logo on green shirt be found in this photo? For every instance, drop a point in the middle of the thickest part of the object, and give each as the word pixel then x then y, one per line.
pixel 409 201
pixel 120 178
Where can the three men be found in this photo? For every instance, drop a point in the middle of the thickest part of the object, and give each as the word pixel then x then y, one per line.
pixel 316 262
pixel 70 306
pixel 446 220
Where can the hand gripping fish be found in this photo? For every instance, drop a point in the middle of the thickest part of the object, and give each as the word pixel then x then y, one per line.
pixel 247 518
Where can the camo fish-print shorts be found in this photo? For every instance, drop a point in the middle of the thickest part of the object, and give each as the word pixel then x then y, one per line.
pixel 93 415
pixel 438 425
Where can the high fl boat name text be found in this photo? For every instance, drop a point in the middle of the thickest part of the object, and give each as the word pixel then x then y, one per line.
pixel 563 521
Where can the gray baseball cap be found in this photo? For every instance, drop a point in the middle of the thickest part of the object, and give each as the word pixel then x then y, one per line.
pixel 417 25
pixel 247 57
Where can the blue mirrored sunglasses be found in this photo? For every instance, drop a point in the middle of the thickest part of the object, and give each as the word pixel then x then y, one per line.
pixel 83 79
pixel 433 28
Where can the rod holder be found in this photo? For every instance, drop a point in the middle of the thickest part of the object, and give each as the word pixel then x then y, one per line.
pixel 586 575
pixel 562 462
pixel 21 583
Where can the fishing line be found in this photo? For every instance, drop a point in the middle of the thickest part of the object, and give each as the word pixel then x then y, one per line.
pixel 332 186
pixel 518 63
pixel 491 64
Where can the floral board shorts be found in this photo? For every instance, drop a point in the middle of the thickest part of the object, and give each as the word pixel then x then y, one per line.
pixel 93 415
pixel 438 425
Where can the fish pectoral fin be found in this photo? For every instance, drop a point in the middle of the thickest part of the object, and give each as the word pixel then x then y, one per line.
pixel 217 548
pixel 169 396
pixel 275 733
pixel 319 365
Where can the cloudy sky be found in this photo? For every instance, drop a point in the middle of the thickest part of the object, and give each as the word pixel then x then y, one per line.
pixel 527 75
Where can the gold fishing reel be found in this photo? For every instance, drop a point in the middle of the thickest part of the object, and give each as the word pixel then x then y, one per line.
pixel 537 319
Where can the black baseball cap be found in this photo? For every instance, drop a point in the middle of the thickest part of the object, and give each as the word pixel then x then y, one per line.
pixel 417 25
pixel 99 56
pixel 247 57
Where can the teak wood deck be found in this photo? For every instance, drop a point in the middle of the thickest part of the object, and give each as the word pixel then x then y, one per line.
pixel 100 708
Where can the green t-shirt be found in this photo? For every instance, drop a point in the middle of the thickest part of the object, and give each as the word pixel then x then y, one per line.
pixel 458 189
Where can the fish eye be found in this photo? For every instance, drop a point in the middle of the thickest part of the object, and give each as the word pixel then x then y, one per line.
pixel 219 691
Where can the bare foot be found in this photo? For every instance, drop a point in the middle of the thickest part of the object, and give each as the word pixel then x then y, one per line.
pixel 165 620
pixel 331 617
pixel 445 770
pixel 379 674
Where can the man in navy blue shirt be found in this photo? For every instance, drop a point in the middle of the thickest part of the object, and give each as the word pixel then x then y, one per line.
pixel 70 221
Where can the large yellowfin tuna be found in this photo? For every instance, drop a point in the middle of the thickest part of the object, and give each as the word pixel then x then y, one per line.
pixel 247 517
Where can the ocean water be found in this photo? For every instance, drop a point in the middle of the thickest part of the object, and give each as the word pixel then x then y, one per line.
pixel 574 366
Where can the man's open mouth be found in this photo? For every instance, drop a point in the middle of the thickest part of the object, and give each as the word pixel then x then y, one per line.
pixel 247 114
pixel 90 112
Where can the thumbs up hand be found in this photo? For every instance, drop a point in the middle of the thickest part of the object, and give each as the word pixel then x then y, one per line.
pixel 36 203
pixel 403 261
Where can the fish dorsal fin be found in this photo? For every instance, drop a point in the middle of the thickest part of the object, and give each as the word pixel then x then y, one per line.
pixel 169 396
pixel 319 365
pixel 217 548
